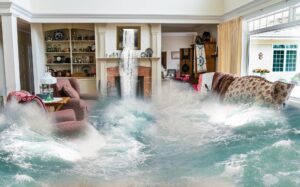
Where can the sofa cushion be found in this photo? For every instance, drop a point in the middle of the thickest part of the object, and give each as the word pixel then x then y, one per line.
pixel 258 90
pixel 281 92
pixel 61 82
pixel 221 82
pixel 75 84
pixel 207 80
pixel 70 91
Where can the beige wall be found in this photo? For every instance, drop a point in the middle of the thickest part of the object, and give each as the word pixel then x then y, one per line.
pixel 173 42
pixel 230 5
pixel 167 7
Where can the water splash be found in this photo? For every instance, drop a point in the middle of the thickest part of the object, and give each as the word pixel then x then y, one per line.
pixel 127 68
pixel 178 139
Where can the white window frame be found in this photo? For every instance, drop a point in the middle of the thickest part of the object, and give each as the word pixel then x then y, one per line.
pixel 285 55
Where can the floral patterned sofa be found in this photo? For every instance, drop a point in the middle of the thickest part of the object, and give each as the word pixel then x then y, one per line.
pixel 251 89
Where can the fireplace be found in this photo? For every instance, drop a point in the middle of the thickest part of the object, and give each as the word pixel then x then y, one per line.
pixel 143 87
pixel 116 91
pixel 149 74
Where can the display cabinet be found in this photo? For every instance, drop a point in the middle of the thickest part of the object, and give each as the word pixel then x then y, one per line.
pixel 70 50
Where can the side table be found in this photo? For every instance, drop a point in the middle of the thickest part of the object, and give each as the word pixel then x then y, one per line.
pixel 57 103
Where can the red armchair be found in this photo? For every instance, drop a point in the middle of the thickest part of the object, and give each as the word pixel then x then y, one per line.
pixel 65 120
pixel 80 103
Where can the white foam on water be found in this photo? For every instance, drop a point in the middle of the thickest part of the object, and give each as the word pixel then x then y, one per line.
pixel 283 143
pixel 234 166
pixel 23 178
pixel 31 135
pixel 180 118
pixel 270 180
pixel 88 144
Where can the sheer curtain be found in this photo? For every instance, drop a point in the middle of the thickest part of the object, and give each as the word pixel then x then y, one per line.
pixel 230 46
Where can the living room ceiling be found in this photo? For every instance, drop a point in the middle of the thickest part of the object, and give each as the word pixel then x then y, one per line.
pixel 132 11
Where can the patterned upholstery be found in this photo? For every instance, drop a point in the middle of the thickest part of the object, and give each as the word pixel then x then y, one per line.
pixel 221 82
pixel 258 90
pixel 80 103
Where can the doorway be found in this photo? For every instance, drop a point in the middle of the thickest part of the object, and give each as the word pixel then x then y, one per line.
pixel 164 59
pixel 25 56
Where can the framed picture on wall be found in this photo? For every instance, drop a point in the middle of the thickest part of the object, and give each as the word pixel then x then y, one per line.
pixel 120 36
pixel 175 55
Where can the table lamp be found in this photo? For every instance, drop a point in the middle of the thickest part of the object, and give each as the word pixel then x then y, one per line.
pixel 46 90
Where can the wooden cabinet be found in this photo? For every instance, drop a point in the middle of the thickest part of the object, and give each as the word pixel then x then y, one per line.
pixel 210 54
pixel 70 49
pixel 186 61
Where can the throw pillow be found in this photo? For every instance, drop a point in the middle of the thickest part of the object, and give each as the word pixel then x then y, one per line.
pixel 70 91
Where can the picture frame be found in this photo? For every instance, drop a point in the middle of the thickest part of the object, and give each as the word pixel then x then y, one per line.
pixel 175 54
pixel 137 36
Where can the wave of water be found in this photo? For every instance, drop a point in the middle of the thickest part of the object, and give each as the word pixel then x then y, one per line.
pixel 178 139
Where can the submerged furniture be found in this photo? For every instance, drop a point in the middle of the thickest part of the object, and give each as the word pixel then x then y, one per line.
pixel 197 86
pixel 65 120
pixel 57 103
pixel 80 103
pixel 251 89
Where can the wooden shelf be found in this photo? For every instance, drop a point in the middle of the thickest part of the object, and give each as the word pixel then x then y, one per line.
pixel 139 58
pixel 57 52
pixel 57 41
pixel 83 52
pixel 81 78
pixel 58 64
pixel 79 64
pixel 78 41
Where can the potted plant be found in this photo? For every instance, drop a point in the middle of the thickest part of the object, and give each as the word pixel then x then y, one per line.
pixel 261 72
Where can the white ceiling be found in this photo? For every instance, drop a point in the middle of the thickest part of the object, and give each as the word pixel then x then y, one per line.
pixel 174 7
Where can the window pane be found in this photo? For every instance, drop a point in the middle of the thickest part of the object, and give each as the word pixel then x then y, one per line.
pixel 285 17
pixel 251 26
pixel 270 20
pixel 278 60
pixel 279 46
pixel 291 59
pixel 256 24
pixel 297 13
pixel 263 22
pixel 291 46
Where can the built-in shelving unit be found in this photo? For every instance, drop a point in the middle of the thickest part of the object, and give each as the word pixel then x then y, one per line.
pixel 70 50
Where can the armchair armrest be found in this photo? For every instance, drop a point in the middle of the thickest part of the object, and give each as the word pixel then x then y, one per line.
pixel 89 96
pixel 79 106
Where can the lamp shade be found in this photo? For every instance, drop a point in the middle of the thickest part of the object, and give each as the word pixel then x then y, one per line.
pixel 48 79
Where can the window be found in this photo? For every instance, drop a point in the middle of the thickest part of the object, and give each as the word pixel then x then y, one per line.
pixel 297 13
pixel 270 20
pixel 284 58
pixel 278 60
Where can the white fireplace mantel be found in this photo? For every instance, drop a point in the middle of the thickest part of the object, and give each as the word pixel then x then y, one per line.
pixel 104 63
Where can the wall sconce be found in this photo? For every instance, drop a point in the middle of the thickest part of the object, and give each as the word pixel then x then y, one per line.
pixel 260 56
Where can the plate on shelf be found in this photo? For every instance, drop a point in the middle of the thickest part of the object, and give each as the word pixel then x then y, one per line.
pixel 86 69
pixel 58 35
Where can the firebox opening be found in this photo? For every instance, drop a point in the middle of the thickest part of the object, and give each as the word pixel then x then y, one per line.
pixel 139 86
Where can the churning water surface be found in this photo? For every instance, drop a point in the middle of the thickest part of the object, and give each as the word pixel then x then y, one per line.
pixel 177 139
